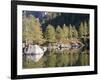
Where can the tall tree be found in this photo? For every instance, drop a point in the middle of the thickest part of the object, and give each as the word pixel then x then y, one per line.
pixel 81 30
pixel 32 31
pixel 28 23
pixel 70 31
pixel 66 31
pixel 59 34
pixel 50 34
pixel 75 33
pixel 86 29
pixel 38 35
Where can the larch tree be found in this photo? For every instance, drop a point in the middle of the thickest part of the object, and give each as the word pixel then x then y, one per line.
pixel 27 27
pixel 75 32
pixel 86 29
pixel 70 31
pixel 50 34
pixel 81 30
pixel 59 34
pixel 65 31
pixel 32 32
pixel 38 35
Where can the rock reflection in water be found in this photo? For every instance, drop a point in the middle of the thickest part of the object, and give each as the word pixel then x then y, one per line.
pixel 61 58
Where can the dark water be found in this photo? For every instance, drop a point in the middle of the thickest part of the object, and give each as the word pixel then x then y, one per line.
pixel 61 58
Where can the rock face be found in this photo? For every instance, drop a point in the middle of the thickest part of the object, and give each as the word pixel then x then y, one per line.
pixel 33 52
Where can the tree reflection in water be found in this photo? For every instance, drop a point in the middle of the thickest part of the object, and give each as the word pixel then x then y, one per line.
pixel 61 58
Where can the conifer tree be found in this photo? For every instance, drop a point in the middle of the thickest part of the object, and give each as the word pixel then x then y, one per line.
pixel 32 31
pixel 70 31
pixel 59 34
pixel 37 34
pixel 86 29
pixel 75 33
pixel 66 31
pixel 27 27
pixel 81 30
pixel 50 33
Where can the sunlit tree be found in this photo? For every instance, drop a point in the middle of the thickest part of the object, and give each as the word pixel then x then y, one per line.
pixel 59 34
pixel 75 32
pixel 81 30
pixel 86 29
pixel 66 31
pixel 38 35
pixel 27 27
pixel 50 34
pixel 32 31
pixel 70 31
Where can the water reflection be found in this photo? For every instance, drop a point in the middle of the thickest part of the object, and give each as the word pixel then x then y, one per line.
pixel 61 58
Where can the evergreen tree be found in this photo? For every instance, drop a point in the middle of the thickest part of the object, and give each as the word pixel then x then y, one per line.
pixel 66 31
pixel 70 31
pixel 86 29
pixel 32 31
pixel 27 27
pixel 38 35
pixel 75 33
pixel 81 30
pixel 50 34
pixel 59 34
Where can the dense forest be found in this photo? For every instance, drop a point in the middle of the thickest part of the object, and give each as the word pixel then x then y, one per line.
pixel 51 28
pixel 54 27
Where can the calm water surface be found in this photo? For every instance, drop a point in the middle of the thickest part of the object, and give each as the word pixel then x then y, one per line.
pixel 60 58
